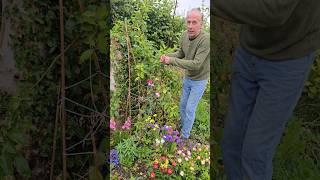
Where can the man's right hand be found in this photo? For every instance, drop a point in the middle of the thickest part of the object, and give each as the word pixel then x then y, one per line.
pixel 164 59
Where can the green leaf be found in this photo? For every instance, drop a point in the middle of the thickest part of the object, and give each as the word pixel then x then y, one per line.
pixel 94 173
pixel 86 55
pixel 22 166
pixel 17 136
pixel 102 42
pixel 9 148
pixel 5 166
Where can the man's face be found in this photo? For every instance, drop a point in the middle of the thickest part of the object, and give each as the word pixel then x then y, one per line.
pixel 194 24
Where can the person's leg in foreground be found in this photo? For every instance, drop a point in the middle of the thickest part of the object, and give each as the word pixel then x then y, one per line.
pixel 192 92
pixel 262 99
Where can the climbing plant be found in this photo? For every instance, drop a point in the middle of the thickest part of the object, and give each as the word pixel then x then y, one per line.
pixel 31 130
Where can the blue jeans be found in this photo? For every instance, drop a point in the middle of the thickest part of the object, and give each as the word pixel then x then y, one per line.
pixel 192 92
pixel 262 98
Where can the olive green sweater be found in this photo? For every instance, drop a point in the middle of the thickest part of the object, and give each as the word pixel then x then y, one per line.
pixel 193 56
pixel 274 29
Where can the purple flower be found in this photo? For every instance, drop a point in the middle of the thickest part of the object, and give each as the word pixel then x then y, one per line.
pixel 114 157
pixel 168 137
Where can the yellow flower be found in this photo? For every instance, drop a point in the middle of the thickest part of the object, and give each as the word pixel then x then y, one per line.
pixel 152 121
pixel 155 115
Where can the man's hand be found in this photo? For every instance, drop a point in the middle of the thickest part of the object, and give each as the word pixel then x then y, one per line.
pixel 164 59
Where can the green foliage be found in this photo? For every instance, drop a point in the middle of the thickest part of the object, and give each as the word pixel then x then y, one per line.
pixel 144 59
pixel 312 85
pixel 295 157
pixel 201 126
pixel 30 116
pixel 128 151
pixel 161 26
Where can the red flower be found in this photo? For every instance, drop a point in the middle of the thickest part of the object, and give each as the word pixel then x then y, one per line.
pixel 153 175
pixel 173 164
pixel 155 165
pixel 163 158
pixel 169 171
pixel 149 82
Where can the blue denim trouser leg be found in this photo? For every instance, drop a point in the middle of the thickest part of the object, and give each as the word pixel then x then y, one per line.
pixel 262 98
pixel 192 92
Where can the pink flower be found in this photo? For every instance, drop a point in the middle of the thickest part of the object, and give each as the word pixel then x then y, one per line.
pixel 127 124
pixel 113 124
pixel 150 82
pixel 157 94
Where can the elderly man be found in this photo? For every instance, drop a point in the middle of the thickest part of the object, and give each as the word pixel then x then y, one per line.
pixel 194 57
pixel 278 40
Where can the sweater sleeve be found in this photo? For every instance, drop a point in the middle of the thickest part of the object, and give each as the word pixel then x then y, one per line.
pixel 193 64
pixel 260 13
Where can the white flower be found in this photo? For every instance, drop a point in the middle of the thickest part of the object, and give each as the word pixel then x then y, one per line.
pixel 179 152
pixel 192 168
pixel 198 157
pixel 181 173
pixel 189 153
pixel 157 141
pixel 183 155
pixel 186 158
pixel 179 160
pixel 157 94
pixel 162 141
pixel 203 162
pixel 207 159
pixel 194 149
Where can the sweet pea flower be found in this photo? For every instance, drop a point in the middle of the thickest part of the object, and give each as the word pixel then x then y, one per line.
pixel 127 124
pixel 150 83
pixel 113 124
